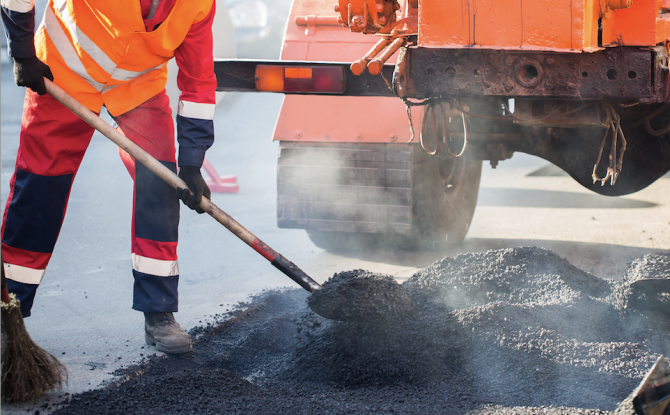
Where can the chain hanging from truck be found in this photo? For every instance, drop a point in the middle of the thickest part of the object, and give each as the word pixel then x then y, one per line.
pixel 430 119
pixel 616 164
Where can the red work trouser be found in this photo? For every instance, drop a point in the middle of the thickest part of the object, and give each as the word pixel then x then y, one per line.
pixel 53 143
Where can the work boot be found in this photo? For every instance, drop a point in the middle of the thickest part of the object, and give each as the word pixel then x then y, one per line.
pixel 161 330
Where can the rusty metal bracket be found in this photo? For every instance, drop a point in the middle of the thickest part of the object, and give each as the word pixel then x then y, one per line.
pixel 621 74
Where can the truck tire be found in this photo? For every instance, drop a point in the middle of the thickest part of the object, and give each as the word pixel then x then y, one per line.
pixel 444 197
pixel 461 188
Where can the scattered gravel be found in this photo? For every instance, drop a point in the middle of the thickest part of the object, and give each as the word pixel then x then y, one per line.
pixel 512 331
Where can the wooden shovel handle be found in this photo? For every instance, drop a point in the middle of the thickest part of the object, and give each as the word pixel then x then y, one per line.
pixel 281 263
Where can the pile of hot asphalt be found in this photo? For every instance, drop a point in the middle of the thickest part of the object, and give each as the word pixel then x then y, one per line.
pixel 512 331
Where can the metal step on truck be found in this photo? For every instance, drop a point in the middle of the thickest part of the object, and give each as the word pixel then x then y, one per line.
pixel 391 107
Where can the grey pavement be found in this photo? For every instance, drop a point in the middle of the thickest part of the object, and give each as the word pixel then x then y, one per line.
pixel 82 312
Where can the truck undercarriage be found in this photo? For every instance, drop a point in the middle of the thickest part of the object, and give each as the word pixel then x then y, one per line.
pixel 602 117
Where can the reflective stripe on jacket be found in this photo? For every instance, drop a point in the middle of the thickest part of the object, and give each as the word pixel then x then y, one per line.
pixel 100 52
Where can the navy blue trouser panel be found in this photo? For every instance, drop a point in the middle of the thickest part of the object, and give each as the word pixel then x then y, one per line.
pixel 25 293
pixel 155 294
pixel 156 206
pixel 34 218
pixel 36 211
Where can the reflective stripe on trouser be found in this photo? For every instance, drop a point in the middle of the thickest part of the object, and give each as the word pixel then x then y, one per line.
pixel 53 143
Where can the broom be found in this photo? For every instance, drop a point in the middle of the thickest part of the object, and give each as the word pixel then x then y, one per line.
pixel 27 370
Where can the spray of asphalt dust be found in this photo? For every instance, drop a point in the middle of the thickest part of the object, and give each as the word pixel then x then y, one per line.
pixel 511 331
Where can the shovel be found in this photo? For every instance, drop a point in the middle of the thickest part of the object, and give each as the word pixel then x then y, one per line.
pixel 275 258
pixel 652 396
pixel 350 301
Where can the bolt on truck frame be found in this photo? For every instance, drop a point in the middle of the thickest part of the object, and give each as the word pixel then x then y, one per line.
pixel 374 151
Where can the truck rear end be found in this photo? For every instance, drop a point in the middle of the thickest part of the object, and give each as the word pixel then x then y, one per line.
pixel 427 90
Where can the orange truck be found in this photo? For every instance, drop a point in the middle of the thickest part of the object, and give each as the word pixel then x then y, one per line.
pixel 390 108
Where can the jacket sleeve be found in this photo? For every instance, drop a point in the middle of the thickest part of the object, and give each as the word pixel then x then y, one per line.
pixel 197 83
pixel 18 17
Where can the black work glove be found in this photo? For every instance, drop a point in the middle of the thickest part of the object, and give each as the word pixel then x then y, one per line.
pixel 31 72
pixel 193 178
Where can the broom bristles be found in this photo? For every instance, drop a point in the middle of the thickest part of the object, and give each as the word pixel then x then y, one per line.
pixel 28 371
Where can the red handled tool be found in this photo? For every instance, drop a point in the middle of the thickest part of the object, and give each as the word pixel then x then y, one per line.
pixel 276 259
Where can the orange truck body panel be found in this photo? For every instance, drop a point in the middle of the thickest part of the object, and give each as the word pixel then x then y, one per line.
pixel 344 120
pixel 312 118
pixel 635 26
pixel 564 26
pixel 547 25
pixel 556 25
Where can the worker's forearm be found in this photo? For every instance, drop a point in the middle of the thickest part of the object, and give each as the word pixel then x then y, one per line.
pixel 195 136
pixel 197 82
pixel 20 29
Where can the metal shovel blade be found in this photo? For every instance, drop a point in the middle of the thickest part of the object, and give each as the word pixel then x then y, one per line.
pixel 652 396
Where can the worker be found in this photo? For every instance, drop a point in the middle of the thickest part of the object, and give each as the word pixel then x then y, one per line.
pixel 111 54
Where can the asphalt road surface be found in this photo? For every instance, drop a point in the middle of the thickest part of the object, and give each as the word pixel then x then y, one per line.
pixel 82 312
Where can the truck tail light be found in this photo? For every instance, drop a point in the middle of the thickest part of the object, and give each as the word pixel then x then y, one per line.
pixel 317 79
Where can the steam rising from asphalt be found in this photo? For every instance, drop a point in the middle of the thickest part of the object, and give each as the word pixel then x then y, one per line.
pixel 339 188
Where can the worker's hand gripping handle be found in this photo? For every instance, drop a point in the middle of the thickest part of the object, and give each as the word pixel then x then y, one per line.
pixel 279 262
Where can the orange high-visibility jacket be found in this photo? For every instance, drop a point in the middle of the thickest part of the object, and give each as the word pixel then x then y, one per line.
pixel 100 52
